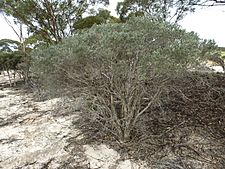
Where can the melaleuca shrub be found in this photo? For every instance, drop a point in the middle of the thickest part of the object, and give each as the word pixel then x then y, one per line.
pixel 116 68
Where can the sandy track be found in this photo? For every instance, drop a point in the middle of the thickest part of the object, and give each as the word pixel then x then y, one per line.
pixel 34 136
pixel 30 135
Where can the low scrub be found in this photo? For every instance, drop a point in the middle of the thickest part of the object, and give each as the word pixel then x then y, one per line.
pixel 133 78
pixel 116 67
pixel 9 61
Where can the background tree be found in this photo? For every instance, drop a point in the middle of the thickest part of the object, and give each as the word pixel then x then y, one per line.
pixel 103 16
pixel 23 46
pixel 15 56
pixel 167 10
pixel 52 20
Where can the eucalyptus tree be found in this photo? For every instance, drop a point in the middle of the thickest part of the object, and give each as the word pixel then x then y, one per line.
pixel 15 56
pixel 166 10
pixel 52 20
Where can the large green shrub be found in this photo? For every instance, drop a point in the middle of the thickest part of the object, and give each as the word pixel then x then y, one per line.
pixel 119 69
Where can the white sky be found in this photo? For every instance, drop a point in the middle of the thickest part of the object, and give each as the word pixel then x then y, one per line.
pixel 209 23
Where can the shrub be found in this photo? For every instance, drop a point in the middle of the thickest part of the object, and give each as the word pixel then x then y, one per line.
pixel 9 61
pixel 120 69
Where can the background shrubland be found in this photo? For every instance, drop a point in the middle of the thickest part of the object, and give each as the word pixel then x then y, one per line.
pixel 10 58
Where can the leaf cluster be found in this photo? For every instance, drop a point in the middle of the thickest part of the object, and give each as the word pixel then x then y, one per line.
pixel 102 17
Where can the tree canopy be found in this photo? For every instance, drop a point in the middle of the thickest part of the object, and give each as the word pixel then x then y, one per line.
pixel 170 10
pixel 103 16
pixel 52 20
pixel 167 10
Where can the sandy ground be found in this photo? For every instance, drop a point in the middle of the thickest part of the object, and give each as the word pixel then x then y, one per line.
pixel 33 136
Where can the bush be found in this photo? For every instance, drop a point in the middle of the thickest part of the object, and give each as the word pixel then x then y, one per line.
pixel 120 69
pixel 10 61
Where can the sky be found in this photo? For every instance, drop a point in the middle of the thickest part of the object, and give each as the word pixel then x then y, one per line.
pixel 208 22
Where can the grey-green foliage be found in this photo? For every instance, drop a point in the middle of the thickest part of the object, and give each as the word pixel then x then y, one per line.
pixel 112 63
pixel 160 45
pixel 157 43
